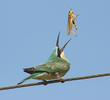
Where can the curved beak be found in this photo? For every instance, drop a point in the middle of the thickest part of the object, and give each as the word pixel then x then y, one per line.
pixel 62 49
pixel 57 45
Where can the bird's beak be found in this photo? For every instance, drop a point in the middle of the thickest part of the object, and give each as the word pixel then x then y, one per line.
pixel 62 49
pixel 57 45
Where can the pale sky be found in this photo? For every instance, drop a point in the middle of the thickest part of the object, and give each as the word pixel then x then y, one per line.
pixel 28 33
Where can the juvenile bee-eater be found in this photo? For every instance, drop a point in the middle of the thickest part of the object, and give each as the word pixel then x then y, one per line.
pixel 55 67
pixel 71 22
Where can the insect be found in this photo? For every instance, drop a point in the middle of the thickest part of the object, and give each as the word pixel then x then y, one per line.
pixel 71 22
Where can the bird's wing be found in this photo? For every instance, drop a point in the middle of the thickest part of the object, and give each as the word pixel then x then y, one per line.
pixel 48 67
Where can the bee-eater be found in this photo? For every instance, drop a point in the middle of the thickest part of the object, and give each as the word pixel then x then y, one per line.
pixel 55 67
pixel 71 22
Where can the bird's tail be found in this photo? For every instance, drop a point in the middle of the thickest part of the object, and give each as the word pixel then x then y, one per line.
pixel 24 79
pixel 29 70
pixel 32 76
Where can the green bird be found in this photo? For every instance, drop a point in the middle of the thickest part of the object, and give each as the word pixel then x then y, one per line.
pixel 55 67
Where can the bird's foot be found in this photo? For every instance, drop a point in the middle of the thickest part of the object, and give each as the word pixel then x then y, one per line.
pixel 62 80
pixel 45 82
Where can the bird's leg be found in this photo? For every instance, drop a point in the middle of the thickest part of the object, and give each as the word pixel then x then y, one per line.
pixel 61 79
pixel 45 82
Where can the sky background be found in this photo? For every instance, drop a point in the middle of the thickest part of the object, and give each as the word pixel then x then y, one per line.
pixel 28 32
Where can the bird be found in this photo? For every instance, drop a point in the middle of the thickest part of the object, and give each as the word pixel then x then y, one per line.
pixel 55 67
pixel 71 22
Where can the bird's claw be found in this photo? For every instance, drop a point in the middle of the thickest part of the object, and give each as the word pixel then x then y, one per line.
pixel 45 82
pixel 62 80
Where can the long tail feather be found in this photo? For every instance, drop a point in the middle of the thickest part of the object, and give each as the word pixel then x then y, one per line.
pixel 29 70
pixel 24 80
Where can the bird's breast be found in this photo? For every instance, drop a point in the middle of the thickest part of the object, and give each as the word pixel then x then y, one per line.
pixel 49 76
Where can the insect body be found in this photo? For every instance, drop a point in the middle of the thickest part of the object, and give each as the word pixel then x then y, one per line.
pixel 71 22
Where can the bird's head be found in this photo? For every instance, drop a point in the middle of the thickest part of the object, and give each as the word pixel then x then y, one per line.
pixel 59 52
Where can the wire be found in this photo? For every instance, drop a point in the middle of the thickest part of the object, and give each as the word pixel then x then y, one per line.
pixel 55 81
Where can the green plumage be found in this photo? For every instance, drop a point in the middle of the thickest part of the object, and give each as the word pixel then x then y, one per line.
pixel 55 67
